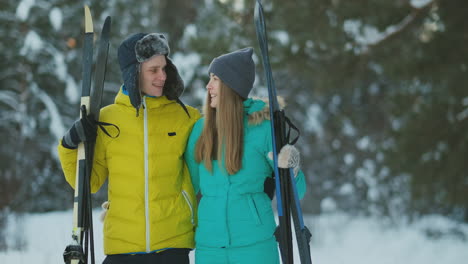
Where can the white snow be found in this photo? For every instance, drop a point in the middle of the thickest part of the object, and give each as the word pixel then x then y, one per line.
pixel 366 35
pixel 22 11
pixel 348 158
pixel 187 64
pixel 346 240
pixel 282 36
pixel 9 98
pixel 348 128
pixel 32 44
pixel 346 189
pixel 364 143
pixel 56 126
pixel 208 2
pixel 463 114
pixel 190 31
pixel 465 101
pixel 313 123
pixel 328 204
pixel 420 3
pixel 72 91
pixel 363 34
pixel 60 66
pixel 238 5
pixel 56 18
pixel 337 239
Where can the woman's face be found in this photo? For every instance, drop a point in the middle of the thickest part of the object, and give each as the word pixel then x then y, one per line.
pixel 153 75
pixel 213 87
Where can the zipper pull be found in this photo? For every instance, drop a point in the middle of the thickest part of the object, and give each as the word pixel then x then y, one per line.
pixel 143 102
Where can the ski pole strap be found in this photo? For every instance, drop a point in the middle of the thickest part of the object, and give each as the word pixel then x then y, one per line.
pixel 183 106
pixel 291 126
pixel 103 125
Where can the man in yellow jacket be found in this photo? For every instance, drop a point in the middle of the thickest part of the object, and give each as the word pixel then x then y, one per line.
pixel 152 206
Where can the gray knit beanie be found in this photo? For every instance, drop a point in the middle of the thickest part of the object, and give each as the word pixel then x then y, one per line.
pixel 236 70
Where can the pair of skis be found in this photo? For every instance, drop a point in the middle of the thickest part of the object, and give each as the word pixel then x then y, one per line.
pixel 76 252
pixel 286 193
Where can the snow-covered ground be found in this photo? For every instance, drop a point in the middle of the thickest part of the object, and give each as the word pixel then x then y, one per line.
pixel 336 239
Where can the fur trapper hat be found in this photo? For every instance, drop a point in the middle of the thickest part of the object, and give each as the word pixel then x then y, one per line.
pixel 139 48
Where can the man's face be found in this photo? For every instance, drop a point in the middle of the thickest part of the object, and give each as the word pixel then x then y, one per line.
pixel 153 75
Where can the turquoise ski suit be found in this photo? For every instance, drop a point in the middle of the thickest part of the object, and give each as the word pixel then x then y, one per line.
pixel 235 217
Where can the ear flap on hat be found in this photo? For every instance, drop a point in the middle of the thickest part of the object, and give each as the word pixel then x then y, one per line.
pixel 130 68
pixel 174 85
pixel 135 93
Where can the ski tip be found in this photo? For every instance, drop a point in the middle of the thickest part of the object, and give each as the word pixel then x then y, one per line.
pixel 106 28
pixel 88 20
pixel 107 22
pixel 258 14
pixel 258 5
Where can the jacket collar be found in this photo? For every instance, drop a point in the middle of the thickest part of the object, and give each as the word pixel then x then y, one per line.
pixel 253 105
pixel 151 102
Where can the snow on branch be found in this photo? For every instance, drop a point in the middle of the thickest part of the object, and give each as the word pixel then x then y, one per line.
pixel 464 114
pixel 9 98
pixel 370 37
pixel 420 8
pixel 56 126
pixel 420 3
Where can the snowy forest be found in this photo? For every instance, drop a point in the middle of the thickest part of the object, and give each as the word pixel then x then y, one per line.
pixel 379 90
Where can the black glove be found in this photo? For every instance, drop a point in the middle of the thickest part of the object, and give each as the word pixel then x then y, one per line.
pixel 83 130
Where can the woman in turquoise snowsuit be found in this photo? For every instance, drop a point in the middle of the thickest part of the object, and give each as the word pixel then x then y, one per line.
pixel 235 217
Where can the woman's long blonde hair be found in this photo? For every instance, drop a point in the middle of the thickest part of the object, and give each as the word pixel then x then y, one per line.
pixel 222 137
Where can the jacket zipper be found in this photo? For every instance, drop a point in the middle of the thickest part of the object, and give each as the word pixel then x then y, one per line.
pixel 184 193
pixel 145 127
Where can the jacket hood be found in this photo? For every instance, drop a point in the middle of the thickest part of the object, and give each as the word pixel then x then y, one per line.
pixel 258 109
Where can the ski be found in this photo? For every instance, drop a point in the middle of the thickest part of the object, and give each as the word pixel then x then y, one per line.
pixel 99 77
pixel 288 204
pixel 76 252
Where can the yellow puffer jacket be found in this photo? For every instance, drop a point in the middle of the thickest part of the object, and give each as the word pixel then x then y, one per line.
pixel 152 202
